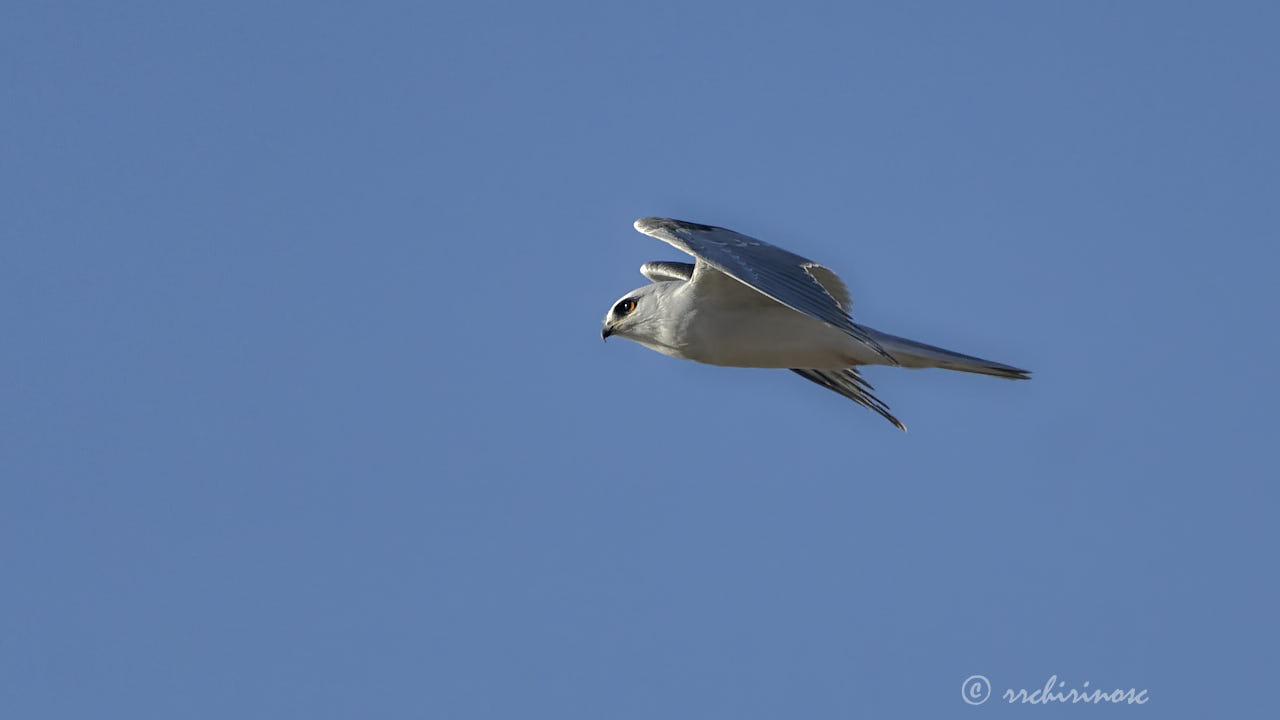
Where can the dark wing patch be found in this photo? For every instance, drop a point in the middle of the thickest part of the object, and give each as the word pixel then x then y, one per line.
pixel 849 383
pixel 768 269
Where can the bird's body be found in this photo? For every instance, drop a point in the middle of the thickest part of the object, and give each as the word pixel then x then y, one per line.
pixel 739 327
pixel 746 303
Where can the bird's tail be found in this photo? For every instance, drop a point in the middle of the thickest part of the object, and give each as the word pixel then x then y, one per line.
pixel 912 354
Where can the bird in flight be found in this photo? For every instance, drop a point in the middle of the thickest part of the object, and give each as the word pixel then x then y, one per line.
pixel 746 303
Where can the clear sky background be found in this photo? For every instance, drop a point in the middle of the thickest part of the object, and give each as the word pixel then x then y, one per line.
pixel 306 413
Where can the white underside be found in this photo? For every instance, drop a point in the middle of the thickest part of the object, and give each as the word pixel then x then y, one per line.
pixel 720 321
pixel 716 320
pixel 773 336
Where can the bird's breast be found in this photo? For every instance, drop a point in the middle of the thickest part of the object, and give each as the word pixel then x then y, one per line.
pixel 764 337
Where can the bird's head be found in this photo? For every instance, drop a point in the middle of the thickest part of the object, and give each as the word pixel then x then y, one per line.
pixel 635 316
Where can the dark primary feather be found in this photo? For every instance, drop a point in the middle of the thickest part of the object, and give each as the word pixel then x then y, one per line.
pixel 849 383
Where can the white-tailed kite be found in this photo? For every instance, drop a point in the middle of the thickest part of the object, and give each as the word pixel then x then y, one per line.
pixel 746 303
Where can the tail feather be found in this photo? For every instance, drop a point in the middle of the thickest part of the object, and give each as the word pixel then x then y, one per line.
pixel 912 354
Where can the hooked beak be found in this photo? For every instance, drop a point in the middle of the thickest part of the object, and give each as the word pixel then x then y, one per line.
pixel 605 332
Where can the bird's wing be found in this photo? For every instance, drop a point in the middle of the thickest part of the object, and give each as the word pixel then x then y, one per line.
pixel 850 384
pixel 834 286
pixel 664 271
pixel 794 281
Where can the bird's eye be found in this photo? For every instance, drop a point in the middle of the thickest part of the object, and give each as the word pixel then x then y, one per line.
pixel 625 307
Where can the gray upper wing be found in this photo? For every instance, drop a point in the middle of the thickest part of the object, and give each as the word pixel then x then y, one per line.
pixel 662 271
pixel 792 280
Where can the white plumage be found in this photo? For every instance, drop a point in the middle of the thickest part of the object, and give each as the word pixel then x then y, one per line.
pixel 746 303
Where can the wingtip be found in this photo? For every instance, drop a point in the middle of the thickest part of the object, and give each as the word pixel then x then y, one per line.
pixel 655 225
pixel 645 224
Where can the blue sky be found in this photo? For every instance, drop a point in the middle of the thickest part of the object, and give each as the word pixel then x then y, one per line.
pixel 307 415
